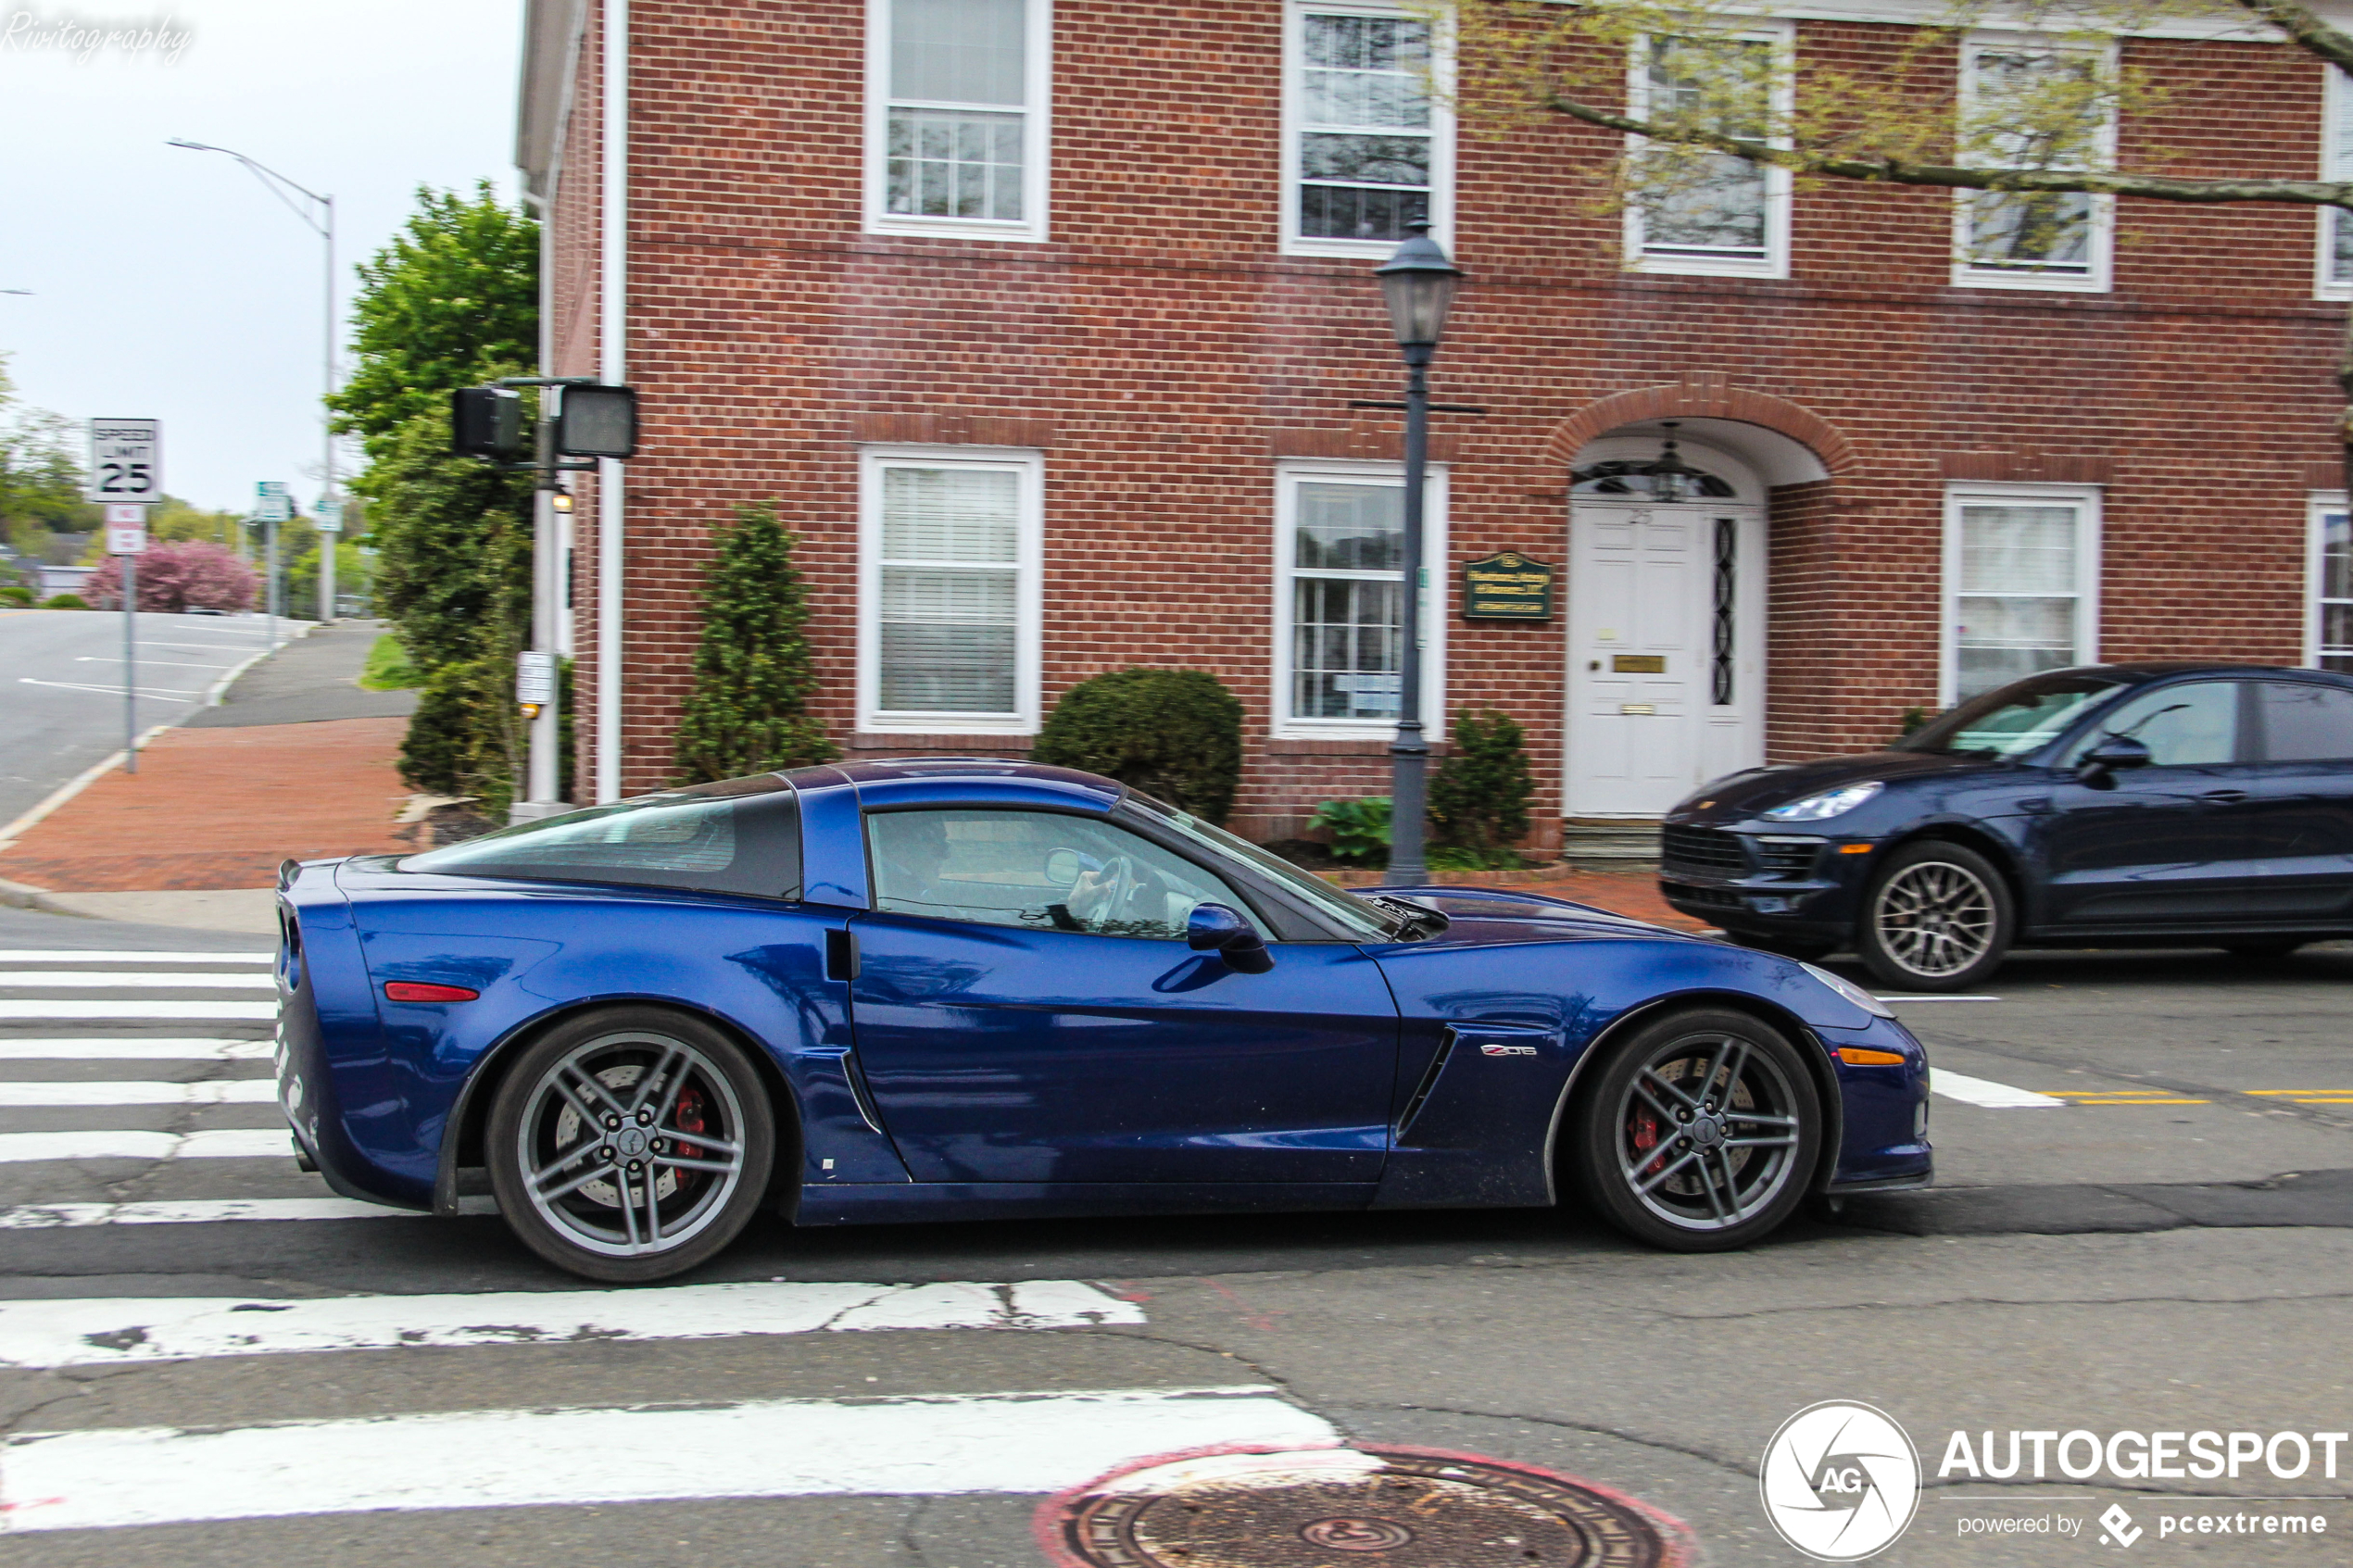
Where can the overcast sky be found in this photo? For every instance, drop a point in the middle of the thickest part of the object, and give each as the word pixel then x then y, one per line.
pixel 170 283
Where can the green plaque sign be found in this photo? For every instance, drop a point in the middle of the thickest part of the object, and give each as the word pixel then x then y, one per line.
pixel 1507 586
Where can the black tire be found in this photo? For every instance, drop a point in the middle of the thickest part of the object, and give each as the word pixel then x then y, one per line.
pixel 1662 1089
pixel 1938 917
pixel 1805 949
pixel 2257 949
pixel 680 1102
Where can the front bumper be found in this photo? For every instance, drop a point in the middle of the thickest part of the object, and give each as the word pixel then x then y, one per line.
pixel 1884 1145
pixel 1753 879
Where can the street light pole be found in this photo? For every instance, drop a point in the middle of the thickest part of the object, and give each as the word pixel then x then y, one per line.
pixel 1419 284
pixel 321 217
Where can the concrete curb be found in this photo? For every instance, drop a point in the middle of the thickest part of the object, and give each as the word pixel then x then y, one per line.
pixel 23 896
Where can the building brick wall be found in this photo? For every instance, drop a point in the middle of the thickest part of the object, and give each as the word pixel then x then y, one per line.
pixel 1163 355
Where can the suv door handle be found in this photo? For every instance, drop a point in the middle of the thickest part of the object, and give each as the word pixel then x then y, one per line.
pixel 2223 797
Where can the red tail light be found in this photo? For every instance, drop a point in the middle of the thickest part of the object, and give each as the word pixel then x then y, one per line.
pixel 411 991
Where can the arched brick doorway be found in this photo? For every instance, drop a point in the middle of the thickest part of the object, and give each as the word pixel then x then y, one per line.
pixel 1687 644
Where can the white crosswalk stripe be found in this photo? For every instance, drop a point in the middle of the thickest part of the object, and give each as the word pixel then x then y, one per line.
pixel 209 1091
pixel 110 1330
pixel 936 1443
pixel 109 1049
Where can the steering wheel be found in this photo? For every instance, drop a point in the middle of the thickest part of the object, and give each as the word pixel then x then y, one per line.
pixel 1123 887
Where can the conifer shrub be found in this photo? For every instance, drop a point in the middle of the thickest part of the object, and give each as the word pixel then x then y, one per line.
pixel 1478 798
pixel 748 713
pixel 1175 734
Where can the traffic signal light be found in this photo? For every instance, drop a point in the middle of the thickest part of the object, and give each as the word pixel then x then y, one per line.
pixel 597 421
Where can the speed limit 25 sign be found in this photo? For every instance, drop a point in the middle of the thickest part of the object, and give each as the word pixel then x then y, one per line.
pixel 126 461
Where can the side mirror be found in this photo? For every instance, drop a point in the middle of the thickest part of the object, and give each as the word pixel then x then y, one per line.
pixel 1226 932
pixel 2108 754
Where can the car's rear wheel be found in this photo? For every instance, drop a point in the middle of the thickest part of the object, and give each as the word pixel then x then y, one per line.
pixel 1701 1133
pixel 629 1144
pixel 1938 917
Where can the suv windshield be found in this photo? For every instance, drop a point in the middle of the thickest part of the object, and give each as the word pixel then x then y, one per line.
pixel 2021 717
pixel 1361 919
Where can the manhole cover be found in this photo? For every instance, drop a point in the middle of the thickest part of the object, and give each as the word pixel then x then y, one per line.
pixel 1339 1507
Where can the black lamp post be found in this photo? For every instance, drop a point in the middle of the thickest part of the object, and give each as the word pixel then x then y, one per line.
pixel 1419 284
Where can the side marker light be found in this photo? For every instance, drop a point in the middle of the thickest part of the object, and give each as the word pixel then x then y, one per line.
pixel 1855 1056
pixel 411 991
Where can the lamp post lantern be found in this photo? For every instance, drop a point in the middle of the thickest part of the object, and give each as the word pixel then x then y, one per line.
pixel 1419 282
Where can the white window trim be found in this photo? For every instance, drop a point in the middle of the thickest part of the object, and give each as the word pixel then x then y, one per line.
pixel 1028 599
pixel 1037 136
pixel 2318 505
pixel 2087 499
pixel 2336 100
pixel 1441 133
pixel 1435 602
pixel 2100 278
pixel 1774 263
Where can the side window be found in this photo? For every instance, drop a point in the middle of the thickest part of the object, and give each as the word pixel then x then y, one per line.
pixel 2188 726
pixel 2305 724
pixel 739 836
pixel 1039 869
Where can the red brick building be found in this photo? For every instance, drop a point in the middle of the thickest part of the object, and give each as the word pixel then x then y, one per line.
pixel 1040 319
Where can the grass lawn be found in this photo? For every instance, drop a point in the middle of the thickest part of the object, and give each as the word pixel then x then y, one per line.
pixel 388 669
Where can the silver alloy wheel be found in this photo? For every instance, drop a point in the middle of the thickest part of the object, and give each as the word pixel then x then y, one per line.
pixel 631 1144
pixel 1934 918
pixel 1708 1132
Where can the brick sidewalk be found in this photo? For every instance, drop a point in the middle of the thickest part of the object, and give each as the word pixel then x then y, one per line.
pixel 219 808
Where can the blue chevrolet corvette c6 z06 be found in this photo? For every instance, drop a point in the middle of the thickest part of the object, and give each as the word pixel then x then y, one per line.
pixel 940 989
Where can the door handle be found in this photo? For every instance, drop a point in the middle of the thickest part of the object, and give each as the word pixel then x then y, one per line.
pixel 2223 797
pixel 841 955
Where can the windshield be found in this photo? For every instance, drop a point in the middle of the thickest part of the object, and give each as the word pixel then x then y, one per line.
pixel 1361 919
pixel 2022 716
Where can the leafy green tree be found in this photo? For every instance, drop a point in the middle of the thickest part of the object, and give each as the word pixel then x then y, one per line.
pixel 40 471
pixel 452 302
pixel 748 713
pixel 1175 734
pixel 1478 798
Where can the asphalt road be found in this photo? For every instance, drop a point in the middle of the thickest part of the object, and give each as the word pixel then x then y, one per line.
pixel 2167 1245
pixel 61 709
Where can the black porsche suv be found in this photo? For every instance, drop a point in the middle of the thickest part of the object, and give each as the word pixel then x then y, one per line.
pixel 2113 805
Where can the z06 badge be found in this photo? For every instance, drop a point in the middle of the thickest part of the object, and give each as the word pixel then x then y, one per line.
pixel 1507 1050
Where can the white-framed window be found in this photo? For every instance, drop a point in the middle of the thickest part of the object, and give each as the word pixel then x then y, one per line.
pixel 2010 240
pixel 2328 629
pixel 1716 215
pixel 1340 586
pixel 956 117
pixel 2022 583
pixel 2333 265
pixel 948 588
pixel 1366 147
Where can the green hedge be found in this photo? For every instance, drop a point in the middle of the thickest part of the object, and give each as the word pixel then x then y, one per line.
pixel 1175 734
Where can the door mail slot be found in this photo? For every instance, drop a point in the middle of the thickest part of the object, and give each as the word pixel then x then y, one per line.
pixel 1638 664
pixel 1636 708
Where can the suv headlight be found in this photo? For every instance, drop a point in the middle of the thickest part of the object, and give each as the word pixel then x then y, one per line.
pixel 1829 803
pixel 1850 992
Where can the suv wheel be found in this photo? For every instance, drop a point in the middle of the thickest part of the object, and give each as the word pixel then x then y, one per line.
pixel 1938 917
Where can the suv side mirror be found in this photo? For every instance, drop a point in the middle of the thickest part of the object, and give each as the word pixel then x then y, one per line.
pixel 1225 931
pixel 2108 754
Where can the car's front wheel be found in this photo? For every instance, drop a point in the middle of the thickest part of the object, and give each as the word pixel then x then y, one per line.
pixel 1938 917
pixel 629 1144
pixel 1701 1133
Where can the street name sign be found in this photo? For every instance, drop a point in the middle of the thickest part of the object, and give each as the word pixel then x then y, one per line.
pixel 126 461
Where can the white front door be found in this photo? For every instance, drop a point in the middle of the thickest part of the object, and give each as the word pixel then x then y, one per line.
pixel 1666 652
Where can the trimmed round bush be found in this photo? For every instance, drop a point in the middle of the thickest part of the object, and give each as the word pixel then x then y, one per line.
pixel 1175 734
pixel 65 601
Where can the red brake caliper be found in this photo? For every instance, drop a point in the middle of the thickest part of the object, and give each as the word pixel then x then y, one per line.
pixel 1646 1131
pixel 690 1121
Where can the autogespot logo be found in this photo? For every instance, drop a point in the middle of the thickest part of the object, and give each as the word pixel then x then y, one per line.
pixel 1840 1481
